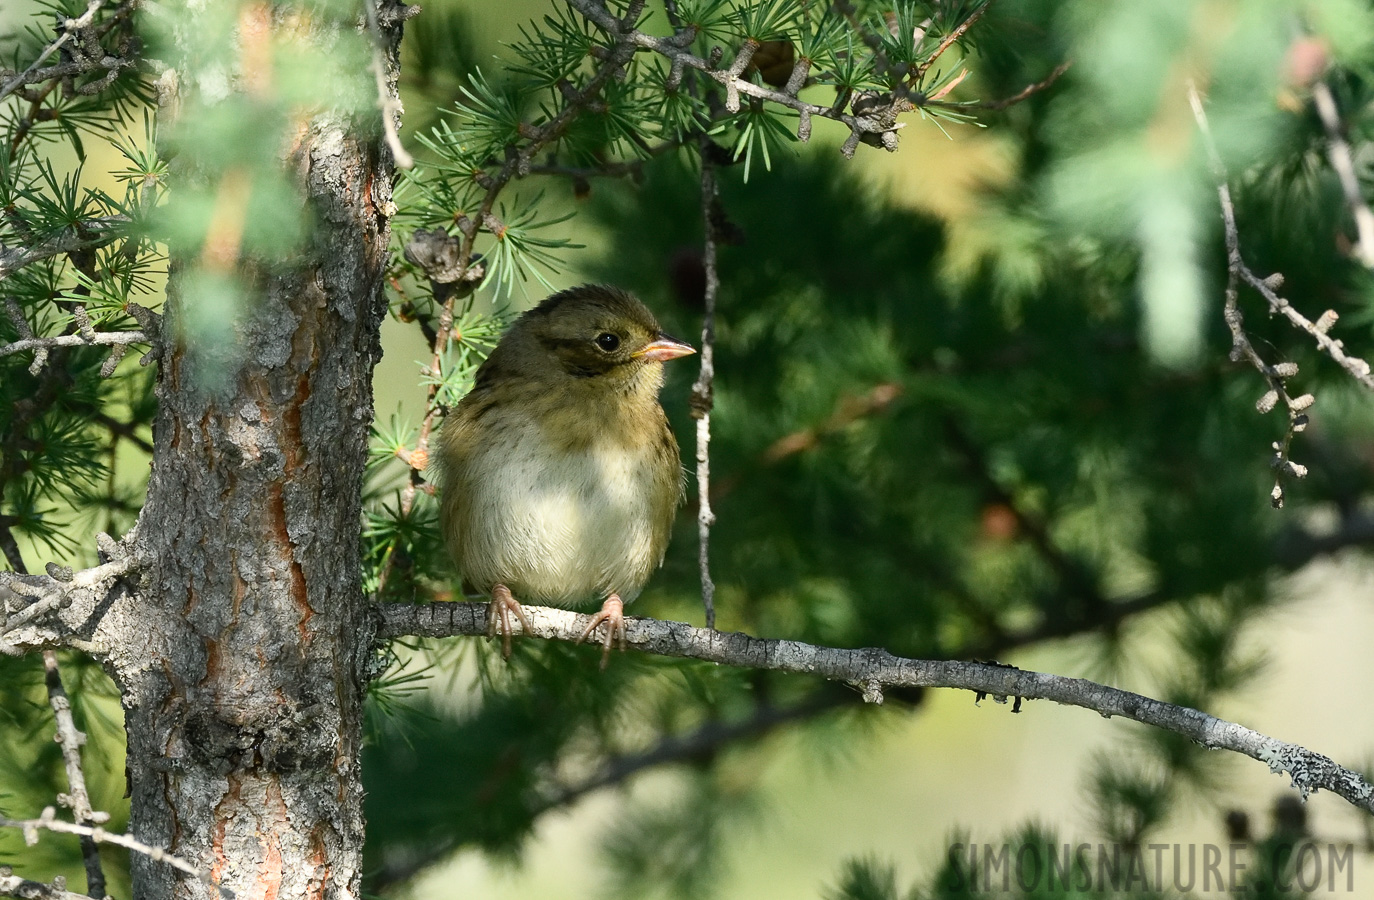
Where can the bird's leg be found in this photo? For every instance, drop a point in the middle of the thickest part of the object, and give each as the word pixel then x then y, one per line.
pixel 503 603
pixel 613 614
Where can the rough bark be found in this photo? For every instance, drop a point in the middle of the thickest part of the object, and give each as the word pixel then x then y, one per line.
pixel 242 652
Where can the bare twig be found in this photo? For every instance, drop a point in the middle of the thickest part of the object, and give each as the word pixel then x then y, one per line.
pixel 1005 102
pixel 873 669
pixel 1242 348
pixel 389 105
pixel 77 798
pixel 94 339
pixel 949 40
pixel 1338 151
pixel 48 821
pixel 1266 287
pixel 703 390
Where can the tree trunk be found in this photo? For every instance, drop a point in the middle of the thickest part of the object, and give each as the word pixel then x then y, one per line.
pixel 244 656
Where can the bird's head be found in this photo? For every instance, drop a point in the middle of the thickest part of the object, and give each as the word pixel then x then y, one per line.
pixel 596 334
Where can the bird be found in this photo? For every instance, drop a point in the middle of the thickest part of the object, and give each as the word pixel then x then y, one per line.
pixel 559 475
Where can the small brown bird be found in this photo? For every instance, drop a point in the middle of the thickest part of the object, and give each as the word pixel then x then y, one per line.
pixel 559 473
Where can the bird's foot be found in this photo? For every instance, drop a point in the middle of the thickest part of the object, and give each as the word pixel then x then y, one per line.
pixel 503 603
pixel 613 614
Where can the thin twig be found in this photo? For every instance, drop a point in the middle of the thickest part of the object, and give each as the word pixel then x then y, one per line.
pixel 1241 346
pixel 87 235
pixel 878 121
pixel 949 40
pixel 77 797
pixel 872 669
pixel 49 822
pixel 389 105
pixel 1005 102
pixel 1266 287
pixel 70 27
pixel 703 391
pixel 96 339
pixel 1338 151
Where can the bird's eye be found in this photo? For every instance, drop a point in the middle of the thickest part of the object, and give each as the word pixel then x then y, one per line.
pixel 608 342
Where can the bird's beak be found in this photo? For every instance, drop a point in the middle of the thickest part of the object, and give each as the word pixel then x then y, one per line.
pixel 664 349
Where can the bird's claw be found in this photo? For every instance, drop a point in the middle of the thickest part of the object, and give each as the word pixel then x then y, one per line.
pixel 612 613
pixel 503 603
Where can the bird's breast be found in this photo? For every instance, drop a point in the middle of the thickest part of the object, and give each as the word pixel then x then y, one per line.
pixel 559 521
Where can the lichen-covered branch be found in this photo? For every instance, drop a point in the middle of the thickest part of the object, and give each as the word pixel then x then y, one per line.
pixel 76 797
pixel 48 821
pixel 61 608
pixel 12 885
pixel 871 670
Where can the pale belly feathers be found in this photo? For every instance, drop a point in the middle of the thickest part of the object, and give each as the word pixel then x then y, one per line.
pixel 557 526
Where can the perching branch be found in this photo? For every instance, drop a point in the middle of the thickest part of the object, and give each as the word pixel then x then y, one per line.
pixel 48 821
pixel 871 670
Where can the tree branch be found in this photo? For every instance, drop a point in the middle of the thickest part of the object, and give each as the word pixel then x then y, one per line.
pixel 76 797
pixel 704 388
pixel 1267 287
pixel 41 612
pixel 1242 348
pixel 12 885
pixel 69 28
pixel 86 236
pixel 387 101
pixel 874 669
pixel 878 121
pixel 94 339
pixel 49 822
